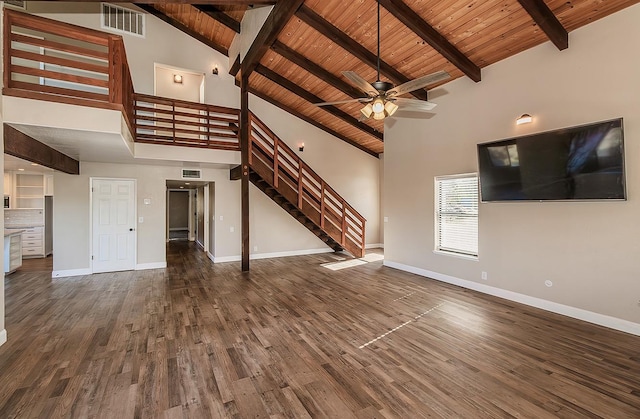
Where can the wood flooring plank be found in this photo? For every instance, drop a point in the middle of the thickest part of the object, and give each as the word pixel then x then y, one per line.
pixel 203 340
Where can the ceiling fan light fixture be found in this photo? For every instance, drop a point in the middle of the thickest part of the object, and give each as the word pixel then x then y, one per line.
pixel 390 108
pixel 378 106
pixel 367 111
pixel 379 115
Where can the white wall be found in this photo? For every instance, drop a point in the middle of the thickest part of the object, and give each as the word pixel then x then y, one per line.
pixel 588 249
pixel 72 221
pixel 3 332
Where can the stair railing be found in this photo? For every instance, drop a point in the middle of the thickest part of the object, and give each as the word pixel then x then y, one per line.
pixel 279 165
pixel 55 61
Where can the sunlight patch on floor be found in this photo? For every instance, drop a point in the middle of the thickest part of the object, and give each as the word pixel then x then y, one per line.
pixel 336 266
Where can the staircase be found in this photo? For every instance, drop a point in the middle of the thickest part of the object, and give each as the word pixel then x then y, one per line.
pixel 277 170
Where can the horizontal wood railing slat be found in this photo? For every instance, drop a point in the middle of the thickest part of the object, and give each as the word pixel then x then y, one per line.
pixel 47 74
pixel 64 62
pixel 61 91
pixel 58 46
pixel 67 30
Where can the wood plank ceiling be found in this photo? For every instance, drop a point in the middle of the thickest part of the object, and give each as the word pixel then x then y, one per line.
pixel 418 37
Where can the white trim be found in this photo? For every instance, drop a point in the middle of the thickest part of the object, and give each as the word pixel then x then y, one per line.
pixel 374 246
pixel 210 256
pixel 257 256
pixel 152 265
pixel 456 255
pixel 71 272
pixel 3 336
pixel 569 311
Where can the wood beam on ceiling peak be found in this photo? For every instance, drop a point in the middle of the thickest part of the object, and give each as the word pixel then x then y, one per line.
pixel 219 15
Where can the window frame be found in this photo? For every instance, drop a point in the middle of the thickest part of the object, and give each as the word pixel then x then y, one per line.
pixel 460 253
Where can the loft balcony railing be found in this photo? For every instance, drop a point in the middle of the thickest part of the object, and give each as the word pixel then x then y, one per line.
pixel 54 61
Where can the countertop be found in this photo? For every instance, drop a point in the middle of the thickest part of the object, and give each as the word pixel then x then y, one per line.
pixel 12 231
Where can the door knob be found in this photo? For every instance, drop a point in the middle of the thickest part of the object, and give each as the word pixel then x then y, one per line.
pixel 132 229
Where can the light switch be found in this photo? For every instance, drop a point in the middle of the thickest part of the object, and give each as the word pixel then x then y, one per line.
pixel 147 201
pixel 140 220
pixel 232 229
pixel 386 219
pixel 221 218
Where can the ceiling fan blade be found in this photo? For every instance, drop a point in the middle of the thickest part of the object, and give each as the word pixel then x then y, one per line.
pixel 413 104
pixel 360 83
pixel 418 83
pixel 338 102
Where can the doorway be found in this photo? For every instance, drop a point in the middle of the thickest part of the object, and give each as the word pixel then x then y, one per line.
pixel 113 225
pixel 178 214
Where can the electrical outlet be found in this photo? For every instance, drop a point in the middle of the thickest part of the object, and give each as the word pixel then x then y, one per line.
pixel 255 248
pixel 484 275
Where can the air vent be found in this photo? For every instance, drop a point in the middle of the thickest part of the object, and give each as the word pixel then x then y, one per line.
pixel 16 4
pixel 120 19
pixel 191 174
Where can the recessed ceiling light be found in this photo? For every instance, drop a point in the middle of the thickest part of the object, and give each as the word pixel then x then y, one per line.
pixel 187 183
pixel 22 170
pixel 35 164
pixel 181 187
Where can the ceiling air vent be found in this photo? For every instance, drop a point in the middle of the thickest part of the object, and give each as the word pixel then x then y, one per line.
pixel 191 174
pixel 122 20
pixel 17 4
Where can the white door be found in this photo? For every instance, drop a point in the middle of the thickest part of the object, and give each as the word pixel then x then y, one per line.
pixel 114 222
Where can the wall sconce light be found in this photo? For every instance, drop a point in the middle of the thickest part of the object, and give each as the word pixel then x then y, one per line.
pixel 214 71
pixel 301 147
pixel 177 78
pixel 525 118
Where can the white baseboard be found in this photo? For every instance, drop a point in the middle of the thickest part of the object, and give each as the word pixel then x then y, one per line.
pixel 374 246
pixel 71 272
pixel 3 336
pixel 256 256
pixel 210 256
pixel 153 265
pixel 569 311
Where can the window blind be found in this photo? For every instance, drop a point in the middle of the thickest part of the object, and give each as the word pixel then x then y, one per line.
pixel 457 214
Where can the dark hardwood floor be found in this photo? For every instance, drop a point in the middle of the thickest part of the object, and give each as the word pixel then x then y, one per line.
pixel 295 339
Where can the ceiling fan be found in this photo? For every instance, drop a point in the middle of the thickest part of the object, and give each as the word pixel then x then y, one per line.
pixel 382 98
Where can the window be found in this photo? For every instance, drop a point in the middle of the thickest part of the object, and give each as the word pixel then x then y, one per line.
pixel 457 214
pixel 122 20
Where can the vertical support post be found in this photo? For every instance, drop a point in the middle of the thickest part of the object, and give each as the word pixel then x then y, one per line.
pixel 173 118
pixel 244 180
pixel 116 78
pixel 6 46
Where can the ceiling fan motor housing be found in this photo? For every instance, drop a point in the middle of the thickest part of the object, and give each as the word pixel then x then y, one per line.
pixel 382 86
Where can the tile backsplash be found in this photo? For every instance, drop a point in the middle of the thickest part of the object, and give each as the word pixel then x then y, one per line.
pixel 23 217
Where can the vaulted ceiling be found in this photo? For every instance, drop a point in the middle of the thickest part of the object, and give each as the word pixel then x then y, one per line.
pixel 317 39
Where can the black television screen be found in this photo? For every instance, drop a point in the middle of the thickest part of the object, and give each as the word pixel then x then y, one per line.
pixel 585 162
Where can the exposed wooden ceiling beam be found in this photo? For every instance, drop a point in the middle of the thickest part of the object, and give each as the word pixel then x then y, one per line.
pixel 219 15
pixel 316 21
pixel 19 144
pixel 235 67
pixel 547 21
pixel 311 121
pixel 432 37
pixel 277 19
pixel 313 68
pixel 182 27
pixel 311 98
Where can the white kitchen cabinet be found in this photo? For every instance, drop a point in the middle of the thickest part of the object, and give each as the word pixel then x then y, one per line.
pixel 12 251
pixel 33 242
pixel 29 191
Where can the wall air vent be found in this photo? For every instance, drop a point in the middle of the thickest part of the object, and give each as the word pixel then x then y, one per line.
pixel 123 20
pixel 16 4
pixel 191 174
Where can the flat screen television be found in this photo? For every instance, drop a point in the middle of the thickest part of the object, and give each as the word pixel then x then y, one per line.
pixel 584 162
